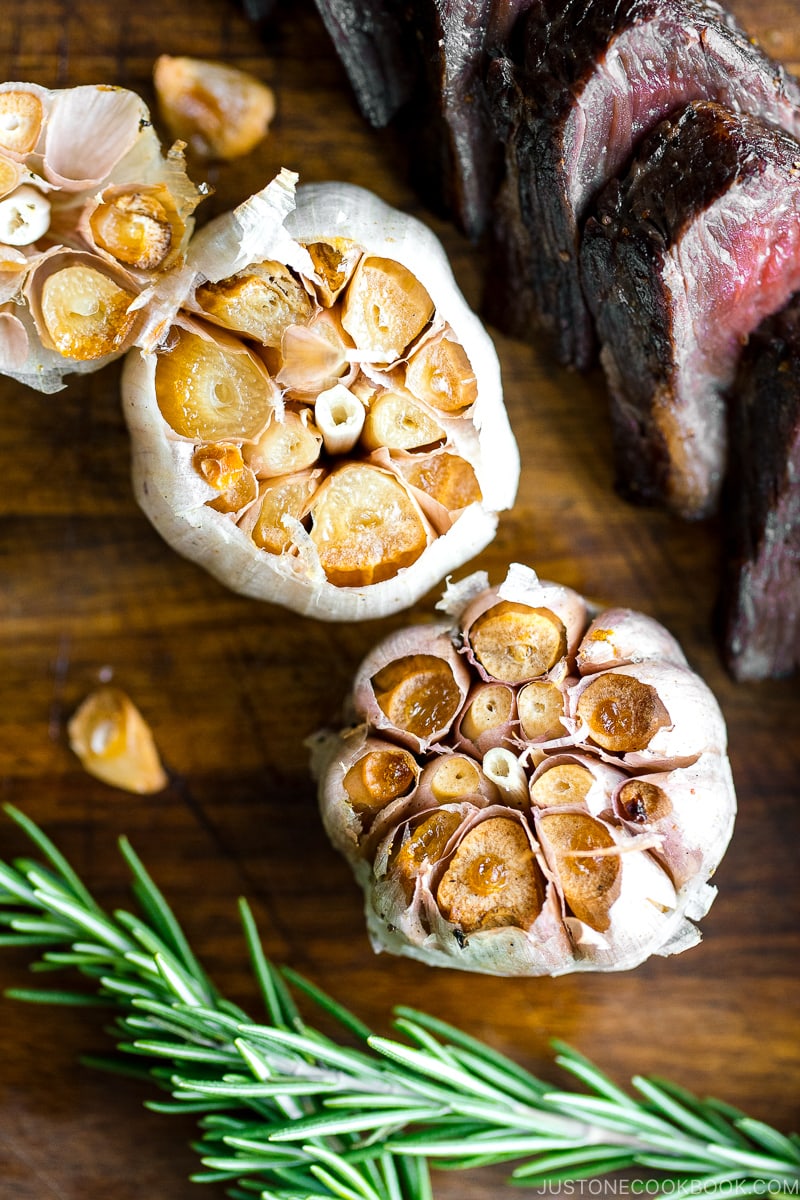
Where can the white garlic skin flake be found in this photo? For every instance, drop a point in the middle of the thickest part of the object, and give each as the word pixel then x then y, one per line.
pixel 590 850
pixel 82 172
pixel 272 228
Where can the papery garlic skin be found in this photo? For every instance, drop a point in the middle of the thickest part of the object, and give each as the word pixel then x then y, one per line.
pixel 64 155
pixel 339 563
pixel 617 825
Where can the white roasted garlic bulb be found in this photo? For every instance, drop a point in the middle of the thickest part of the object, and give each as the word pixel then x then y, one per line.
pixel 526 791
pixel 318 418
pixel 92 214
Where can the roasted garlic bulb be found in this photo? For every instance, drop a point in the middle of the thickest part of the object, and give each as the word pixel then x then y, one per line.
pixel 525 790
pixel 92 214
pixel 322 423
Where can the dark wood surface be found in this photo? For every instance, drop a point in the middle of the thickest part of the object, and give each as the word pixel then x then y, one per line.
pixel 232 687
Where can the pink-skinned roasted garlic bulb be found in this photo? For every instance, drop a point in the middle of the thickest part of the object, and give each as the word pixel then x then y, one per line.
pixel 528 789
pixel 92 215
pixel 322 425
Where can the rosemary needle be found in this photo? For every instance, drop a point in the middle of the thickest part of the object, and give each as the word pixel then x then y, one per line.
pixel 288 1113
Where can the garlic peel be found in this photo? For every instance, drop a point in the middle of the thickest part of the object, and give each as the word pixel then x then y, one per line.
pixel 622 820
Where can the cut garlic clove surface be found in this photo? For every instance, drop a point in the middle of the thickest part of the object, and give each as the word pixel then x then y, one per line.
pixel 114 743
pixel 385 309
pixel 589 850
pixel 22 111
pixel 260 302
pixel 81 306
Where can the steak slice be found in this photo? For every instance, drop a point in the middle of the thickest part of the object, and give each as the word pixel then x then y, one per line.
pixel 686 256
pixel 760 599
pixel 591 78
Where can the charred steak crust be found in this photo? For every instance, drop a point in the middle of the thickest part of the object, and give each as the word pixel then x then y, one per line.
pixel 591 78
pixel 760 600
pixel 685 256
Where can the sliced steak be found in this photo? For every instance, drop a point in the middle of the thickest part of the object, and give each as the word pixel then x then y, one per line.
pixel 685 257
pixel 591 78
pixel 761 590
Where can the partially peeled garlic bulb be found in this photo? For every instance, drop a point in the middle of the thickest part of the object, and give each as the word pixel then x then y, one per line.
pixel 524 790
pixel 82 173
pixel 321 339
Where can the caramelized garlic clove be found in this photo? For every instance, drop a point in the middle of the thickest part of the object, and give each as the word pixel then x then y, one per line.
pixel 291 443
pixel 82 306
pixel 446 478
pixel 578 780
pixel 423 847
pixel 340 418
pixel 577 847
pixel 541 705
pixel 21 118
pixel 514 643
pixel 441 374
pixel 454 777
pixel 621 713
pixel 222 467
pixel 365 526
pixel 261 302
pixel 211 389
pixel 395 420
pixel 334 263
pixel 282 501
pixel 385 308
pixel 493 879
pixel 115 744
pixel 620 636
pixel 221 112
pixel 379 776
pixel 138 227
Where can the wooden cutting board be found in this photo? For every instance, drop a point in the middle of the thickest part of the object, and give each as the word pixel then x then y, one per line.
pixel 232 687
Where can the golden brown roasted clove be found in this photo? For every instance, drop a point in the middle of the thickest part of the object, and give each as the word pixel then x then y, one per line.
pixel 493 879
pixel 514 643
pixel 113 741
pixel 220 111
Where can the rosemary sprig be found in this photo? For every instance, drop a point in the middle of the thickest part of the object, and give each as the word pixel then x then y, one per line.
pixel 288 1113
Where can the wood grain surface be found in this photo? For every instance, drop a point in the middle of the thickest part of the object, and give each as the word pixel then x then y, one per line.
pixel 232 687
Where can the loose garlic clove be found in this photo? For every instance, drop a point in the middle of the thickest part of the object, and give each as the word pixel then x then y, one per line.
pixel 366 527
pixel 385 309
pixel 395 420
pixel 612 864
pixel 493 879
pixel 261 302
pixel 514 643
pixel 210 390
pixel 24 216
pixel 440 373
pixel 21 118
pixel 288 445
pixel 220 111
pixel 340 418
pixel 115 744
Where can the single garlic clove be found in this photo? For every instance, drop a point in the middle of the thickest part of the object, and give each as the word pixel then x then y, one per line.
pixel 210 389
pixel 115 744
pixel 453 777
pixel 281 502
pixel 385 309
pixel 493 879
pixel 621 713
pixel 21 118
pixel 365 526
pixel 260 302
pixel 339 416
pixel 313 356
pixel 440 373
pixel 81 306
pixel 506 772
pixel 578 780
pixel 541 705
pixel 589 879
pixel 220 464
pixel 514 643
pixel 378 777
pixel 423 847
pixel 620 636
pixel 489 709
pixel 334 262
pixel 446 478
pixel 220 111
pixel 395 420
pixel 24 216
pixel 135 227
pixel 290 443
